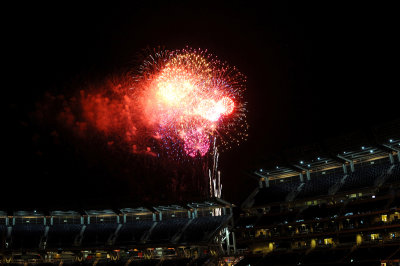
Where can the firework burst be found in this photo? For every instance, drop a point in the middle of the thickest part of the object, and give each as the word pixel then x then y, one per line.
pixel 189 97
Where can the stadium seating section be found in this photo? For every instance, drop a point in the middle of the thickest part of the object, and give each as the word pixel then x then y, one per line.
pixel 320 184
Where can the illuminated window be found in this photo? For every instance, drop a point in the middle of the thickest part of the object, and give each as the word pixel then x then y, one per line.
pixel 261 233
pixel 374 236
pixel 384 218
pixel 271 246
pixel 359 239
pixel 313 243
pixel 328 241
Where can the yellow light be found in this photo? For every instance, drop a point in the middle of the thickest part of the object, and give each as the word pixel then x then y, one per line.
pixel 313 243
pixel 374 236
pixel 359 239
pixel 271 246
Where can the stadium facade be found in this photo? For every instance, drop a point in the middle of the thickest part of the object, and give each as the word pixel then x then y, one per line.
pixel 194 233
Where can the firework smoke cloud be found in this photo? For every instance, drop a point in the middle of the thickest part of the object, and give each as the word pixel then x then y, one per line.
pixel 175 102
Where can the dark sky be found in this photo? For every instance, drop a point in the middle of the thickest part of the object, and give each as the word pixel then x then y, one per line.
pixel 314 71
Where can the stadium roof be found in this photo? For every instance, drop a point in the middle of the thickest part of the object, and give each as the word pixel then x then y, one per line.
pixel 28 213
pixel 353 148
pixel 64 213
pixel 210 203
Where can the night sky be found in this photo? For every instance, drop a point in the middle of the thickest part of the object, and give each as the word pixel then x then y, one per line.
pixel 314 71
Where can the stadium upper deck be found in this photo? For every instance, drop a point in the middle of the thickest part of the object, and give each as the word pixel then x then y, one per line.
pixel 367 166
pixel 194 223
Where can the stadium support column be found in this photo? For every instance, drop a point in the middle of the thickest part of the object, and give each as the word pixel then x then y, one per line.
pixel 301 178
pixel 391 158
pixel 307 171
pixel 392 149
pixel 229 242
pixel 349 161
pixel 262 178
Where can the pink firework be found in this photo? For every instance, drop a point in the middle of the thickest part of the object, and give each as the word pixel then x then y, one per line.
pixel 196 142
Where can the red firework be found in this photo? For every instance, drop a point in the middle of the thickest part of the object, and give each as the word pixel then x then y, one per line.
pixel 189 96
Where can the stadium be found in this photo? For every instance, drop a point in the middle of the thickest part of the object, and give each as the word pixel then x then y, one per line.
pixel 339 206
pixel 221 133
